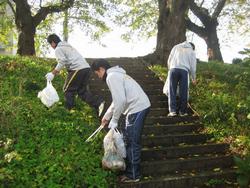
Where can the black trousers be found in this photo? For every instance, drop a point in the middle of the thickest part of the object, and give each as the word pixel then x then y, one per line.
pixel 77 83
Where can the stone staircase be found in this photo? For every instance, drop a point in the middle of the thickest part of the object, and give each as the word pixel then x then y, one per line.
pixel 175 152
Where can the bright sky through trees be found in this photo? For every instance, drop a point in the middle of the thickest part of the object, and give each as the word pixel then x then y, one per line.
pixel 116 47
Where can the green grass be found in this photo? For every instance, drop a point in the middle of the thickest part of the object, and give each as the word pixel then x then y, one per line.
pixel 42 147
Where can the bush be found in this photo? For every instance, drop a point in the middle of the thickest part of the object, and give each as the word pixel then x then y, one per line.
pixel 42 147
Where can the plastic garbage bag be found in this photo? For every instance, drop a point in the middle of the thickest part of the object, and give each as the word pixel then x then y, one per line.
pixel 119 143
pixel 112 160
pixel 48 95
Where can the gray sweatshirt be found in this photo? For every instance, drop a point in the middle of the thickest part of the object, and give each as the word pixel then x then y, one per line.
pixel 127 95
pixel 69 57
pixel 182 56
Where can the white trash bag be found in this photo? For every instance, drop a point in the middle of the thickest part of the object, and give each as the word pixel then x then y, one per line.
pixel 119 143
pixel 48 95
pixel 112 160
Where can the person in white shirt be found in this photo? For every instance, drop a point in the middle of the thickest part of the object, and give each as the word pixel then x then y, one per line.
pixel 181 62
pixel 78 74
pixel 127 98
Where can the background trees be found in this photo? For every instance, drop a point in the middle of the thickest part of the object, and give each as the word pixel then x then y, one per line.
pixel 30 14
pixel 168 20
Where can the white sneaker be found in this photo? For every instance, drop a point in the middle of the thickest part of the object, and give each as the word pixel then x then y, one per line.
pixel 101 108
pixel 172 114
pixel 183 114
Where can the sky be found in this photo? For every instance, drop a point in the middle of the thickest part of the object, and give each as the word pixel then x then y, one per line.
pixel 116 47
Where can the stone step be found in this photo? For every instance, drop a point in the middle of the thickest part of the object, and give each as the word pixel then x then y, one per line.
pixel 151 120
pixel 170 129
pixel 185 180
pixel 183 151
pixel 174 139
pixel 170 166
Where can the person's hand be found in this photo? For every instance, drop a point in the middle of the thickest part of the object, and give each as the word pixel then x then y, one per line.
pixel 50 76
pixel 104 122
pixel 112 125
pixel 194 81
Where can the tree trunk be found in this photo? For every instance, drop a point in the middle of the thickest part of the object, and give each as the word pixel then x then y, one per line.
pixel 213 46
pixel 171 27
pixel 26 29
pixel 26 23
pixel 209 29
pixel 66 26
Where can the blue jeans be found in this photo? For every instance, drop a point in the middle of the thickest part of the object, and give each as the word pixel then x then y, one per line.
pixel 178 76
pixel 133 132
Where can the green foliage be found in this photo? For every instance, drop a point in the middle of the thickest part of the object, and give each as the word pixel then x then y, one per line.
pixel 243 171
pixel 139 16
pixel 42 147
pixel 214 182
pixel 7 26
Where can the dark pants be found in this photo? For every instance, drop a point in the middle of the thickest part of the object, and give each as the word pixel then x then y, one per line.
pixel 77 84
pixel 133 132
pixel 178 76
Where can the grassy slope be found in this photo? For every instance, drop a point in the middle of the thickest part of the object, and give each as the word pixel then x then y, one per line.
pixel 45 148
pixel 222 97
pixel 42 147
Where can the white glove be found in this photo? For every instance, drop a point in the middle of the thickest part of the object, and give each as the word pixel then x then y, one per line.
pixel 112 125
pixel 50 76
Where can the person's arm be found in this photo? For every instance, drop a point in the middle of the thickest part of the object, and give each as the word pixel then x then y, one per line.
pixel 61 59
pixel 170 57
pixel 116 87
pixel 193 67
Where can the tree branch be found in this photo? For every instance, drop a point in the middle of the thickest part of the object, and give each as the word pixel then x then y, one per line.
pixel 200 12
pixel 44 11
pixel 11 7
pixel 218 8
pixel 195 28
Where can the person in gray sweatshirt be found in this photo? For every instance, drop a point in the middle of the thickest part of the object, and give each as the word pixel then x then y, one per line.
pixel 127 98
pixel 78 74
pixel 181 62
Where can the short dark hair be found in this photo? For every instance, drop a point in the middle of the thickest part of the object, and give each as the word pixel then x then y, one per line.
pixel 100 63
pixel 192 44
pixel 53 38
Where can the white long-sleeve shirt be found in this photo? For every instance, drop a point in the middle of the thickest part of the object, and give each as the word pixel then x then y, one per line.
pixel 69 57
pixel 127 95
pixel 182 56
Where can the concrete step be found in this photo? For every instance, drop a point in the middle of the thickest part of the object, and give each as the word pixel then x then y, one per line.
pixel 170 129
pixel 174 139
pixel 171 166
pixel 186 180
pixel 183 151
pixel 151 120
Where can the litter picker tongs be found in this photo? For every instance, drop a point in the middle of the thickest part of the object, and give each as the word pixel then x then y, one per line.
pixel 95 133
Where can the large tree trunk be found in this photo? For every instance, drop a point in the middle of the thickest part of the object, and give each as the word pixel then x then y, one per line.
pixel 213 46
pixel 26 29
pixel 209 29
pixel 26 23
pixel 171 27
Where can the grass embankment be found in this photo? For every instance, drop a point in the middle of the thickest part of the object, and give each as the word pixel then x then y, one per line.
pixel 222 99
pixel 42 147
